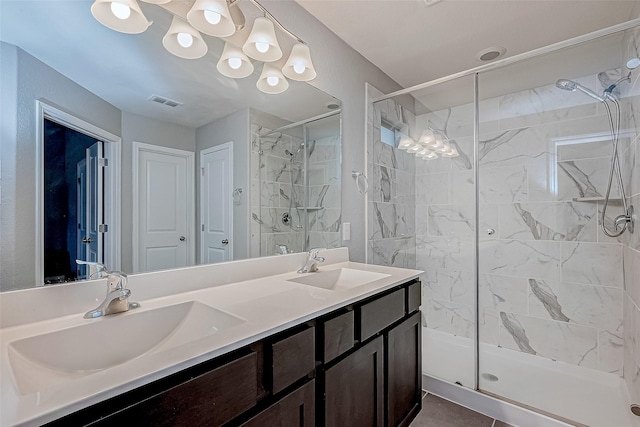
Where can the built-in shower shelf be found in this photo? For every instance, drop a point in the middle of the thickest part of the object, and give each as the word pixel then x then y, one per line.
pixel 596 199
pixel 310 209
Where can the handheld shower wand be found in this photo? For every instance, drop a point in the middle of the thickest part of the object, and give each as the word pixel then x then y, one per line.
pixel 572 86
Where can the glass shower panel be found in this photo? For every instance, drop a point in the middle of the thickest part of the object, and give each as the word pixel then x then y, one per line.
pixel 296 201
pixel 550 282
pixel 422 188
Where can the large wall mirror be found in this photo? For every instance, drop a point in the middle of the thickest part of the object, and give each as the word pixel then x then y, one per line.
pixel 115 150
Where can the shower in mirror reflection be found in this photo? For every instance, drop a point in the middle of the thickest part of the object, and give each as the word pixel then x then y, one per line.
pixel 624 221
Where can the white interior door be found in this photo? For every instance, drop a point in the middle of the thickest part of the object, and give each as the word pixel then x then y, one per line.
pixel 81 215
pixel 216 180
pixel 164 208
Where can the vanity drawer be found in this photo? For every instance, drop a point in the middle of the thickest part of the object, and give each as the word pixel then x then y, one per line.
pixel 414 296
pixel 338 335
pixel 210 399
pixel 293 358
pixel 376 315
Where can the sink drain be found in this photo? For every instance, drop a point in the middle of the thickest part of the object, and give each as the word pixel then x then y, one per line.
pixel 489 377
pixel 635 409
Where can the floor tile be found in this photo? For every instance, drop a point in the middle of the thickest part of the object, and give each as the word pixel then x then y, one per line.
pixel 438 412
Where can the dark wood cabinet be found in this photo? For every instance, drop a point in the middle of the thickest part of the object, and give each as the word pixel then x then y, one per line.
pixel 354 388
pixel 297 409
pixel 404 367
pixel 359 365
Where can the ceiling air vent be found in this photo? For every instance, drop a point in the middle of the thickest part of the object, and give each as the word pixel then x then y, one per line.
pixel 165 101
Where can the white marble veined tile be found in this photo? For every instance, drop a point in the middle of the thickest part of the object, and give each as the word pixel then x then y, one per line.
pixel 576 150
pixel 555 340
pixel 489 326
pixel 517 146
pixel 324 239
pixel 391 220
pixel 610 352
pixel 432 189
pixel 393 252
pixel 528 221
pixel 632 274
pixel 576 221
pixel 433 166
pixel 270 194
pixel 329 220
pixel 462 187
pixel 595 306
pixel 381 180
pixel 503 293
pixel 542 179
pixel 448 220
pixel 294 241
pixel 592 263
pixel 530 259
pixel 450 317
pixel 464 160
pixel 454 286
pixel 584 178
pixel 445 253
pixel 276 144
pixel 614 208
pixel 503 184
pixel 275 169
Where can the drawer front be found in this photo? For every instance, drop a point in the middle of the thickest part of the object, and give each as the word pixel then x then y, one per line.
pixel 339 335
pixel 296 409
pixel 293 358
pixel 380 313
pixel 414 297
pixel 210 399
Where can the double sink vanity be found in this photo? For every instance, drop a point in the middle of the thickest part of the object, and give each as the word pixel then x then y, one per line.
pixel 250 343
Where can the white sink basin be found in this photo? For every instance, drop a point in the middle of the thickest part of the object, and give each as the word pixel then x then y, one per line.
pixel 40 361
pixel 339 279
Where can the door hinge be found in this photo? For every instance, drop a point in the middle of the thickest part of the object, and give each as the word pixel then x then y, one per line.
pixel 202 169
pixel 103 162
pixel 202 227
pixel 103 228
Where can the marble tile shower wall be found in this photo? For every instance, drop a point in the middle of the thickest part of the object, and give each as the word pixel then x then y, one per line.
pixel 631 242
pixel 391 198
pixel 277 188
pixel 551 283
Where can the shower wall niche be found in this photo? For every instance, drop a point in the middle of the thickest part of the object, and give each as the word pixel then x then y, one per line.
pixel 295 185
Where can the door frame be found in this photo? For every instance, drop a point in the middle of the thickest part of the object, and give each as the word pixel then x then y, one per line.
pixel 191 216
pixel 229 147
pixel 112 184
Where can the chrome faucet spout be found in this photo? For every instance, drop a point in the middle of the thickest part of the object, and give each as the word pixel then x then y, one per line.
pixel 313 259
pixel 116 300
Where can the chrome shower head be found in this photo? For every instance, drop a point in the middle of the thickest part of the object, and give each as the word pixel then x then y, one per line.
pixel 570 85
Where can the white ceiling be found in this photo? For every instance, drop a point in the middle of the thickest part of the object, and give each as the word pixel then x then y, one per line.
pixel 125 70
pixel 414 43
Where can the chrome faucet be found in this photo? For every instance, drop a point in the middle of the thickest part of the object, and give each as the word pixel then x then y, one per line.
pixel 117 298
pixel 313 260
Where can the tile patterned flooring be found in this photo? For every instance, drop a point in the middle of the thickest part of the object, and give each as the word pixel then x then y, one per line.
pixel 438 412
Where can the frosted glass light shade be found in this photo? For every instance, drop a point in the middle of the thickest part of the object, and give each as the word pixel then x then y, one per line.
pixel 430 156
pixel 270 75
pixel 427 138
pixel 156 1
pixel 452 152
pixel 234 63
pixel 135 23
pixel 197 49
pixel 443 148
pixel 262 36
pixel 197 17
pixel 299 66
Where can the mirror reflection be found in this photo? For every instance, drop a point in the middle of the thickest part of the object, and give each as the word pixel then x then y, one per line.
pixel 116 151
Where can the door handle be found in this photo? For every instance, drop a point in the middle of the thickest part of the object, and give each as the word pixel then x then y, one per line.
pixel 225 241
pixel 86 239
pixel 182 238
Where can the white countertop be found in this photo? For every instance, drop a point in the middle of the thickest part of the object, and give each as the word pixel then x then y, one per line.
pixel 267 305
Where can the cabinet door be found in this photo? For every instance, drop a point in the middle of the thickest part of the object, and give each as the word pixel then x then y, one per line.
pixel 354 388
pixel 297 409
pixel 404 371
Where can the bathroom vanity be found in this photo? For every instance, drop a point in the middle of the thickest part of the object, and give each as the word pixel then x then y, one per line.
pixel 336 347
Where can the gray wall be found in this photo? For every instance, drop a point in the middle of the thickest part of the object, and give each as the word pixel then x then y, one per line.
pixel 342 72
pixel 234 127
pixel 32 80
pixel 149 131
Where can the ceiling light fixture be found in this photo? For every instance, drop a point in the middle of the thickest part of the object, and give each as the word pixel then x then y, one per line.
pixel 184 41
pixel 234 63
pixel 218 18
pixel 124 16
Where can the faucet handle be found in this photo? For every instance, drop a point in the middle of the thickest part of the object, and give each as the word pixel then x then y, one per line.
pixel 313 252
pixel 96 270
pixel 116 280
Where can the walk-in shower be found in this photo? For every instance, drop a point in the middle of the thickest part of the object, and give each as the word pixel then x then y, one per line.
pixel 531 290
pixel 296 185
